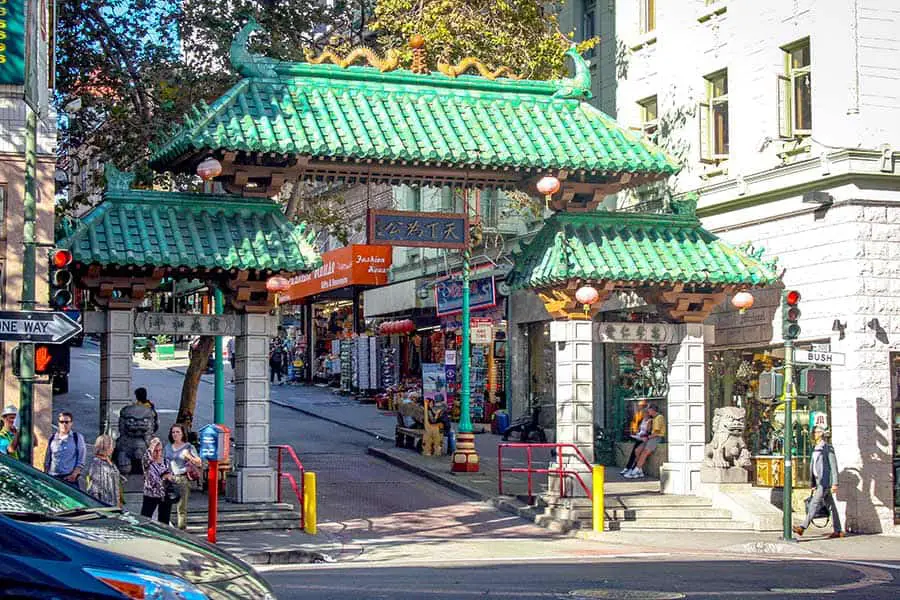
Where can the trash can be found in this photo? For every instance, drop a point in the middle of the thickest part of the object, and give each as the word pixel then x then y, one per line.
pixel 502 418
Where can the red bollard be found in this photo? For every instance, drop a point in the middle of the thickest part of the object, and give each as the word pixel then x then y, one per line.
pixel 213 510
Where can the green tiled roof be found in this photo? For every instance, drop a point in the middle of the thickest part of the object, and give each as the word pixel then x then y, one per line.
pixel 324 111
pixel 199 231
pixel 634 248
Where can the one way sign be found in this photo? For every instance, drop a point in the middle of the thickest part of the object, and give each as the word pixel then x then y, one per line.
pixel 38 327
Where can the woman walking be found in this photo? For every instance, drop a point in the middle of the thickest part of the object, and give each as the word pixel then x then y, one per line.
pixel 103 479
pixel 156 474
pixel 180 455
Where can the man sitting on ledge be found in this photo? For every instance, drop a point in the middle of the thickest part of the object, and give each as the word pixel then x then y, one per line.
pixel 657 434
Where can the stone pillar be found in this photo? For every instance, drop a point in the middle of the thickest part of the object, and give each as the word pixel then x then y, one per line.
pixel 116 356
pixel 685 414
pixel 574 392
pixel 253 480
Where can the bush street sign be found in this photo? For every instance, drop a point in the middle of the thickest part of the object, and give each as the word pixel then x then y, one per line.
pixel 819 358
pixel 38 327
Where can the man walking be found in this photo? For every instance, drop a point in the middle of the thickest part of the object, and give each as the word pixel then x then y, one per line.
pixel 823 473
pixel 66 453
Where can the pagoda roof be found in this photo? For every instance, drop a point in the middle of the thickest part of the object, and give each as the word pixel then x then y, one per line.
pixel 143 228
pixel 307 116
pixel 635 249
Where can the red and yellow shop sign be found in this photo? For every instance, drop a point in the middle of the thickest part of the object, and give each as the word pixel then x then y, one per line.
pixel 351 265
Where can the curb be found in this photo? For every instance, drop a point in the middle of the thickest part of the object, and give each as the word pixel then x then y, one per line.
pixel 446 481
pixel 286 557
pixel 310 413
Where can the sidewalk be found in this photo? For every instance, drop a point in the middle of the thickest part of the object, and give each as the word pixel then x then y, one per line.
pixel 324 404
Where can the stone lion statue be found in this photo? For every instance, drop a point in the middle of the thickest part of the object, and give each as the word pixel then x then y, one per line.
pixel 135 429
pixel 728 448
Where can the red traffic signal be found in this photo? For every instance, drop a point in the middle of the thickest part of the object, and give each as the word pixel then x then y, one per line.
pixel 792 298
pixel 61 258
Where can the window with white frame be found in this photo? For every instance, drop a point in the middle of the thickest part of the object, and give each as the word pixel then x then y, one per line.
pixel 647 15
pixel 795 92
pixel 649 117
pixel 713 115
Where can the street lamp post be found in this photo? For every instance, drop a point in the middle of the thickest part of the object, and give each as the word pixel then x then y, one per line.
pixel 465 458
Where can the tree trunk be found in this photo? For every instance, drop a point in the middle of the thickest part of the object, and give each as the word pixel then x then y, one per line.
pixel 196 369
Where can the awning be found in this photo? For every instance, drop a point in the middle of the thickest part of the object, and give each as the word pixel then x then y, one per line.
pixel 354 265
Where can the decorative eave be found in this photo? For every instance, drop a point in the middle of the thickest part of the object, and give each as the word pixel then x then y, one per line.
pixel 383 124
pixel 670 260
pixel 127 244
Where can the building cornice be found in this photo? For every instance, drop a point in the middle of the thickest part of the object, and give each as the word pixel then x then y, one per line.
pixel 829 170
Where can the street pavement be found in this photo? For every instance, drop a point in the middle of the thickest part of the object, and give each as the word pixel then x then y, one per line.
pixel 419 523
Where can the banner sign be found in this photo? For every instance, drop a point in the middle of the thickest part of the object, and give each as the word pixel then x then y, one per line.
pixel 357 264
pixel 12 55
pixel 146 323
pixel 638 333
pixel 428 229
pixel 448 295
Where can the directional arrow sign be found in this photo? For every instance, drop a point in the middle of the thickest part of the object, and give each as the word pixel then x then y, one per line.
pixel 38 327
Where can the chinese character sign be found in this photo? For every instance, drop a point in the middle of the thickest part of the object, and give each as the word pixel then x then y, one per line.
pixel 406 228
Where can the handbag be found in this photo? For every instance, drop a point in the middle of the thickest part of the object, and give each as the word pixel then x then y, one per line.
pixel 821 513
pixel 192 473
pixel 173 494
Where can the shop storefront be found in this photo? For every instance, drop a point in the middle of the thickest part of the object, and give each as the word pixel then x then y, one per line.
pixel 753 379
pixel 330 314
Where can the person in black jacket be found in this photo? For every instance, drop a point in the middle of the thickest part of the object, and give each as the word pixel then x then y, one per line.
pixel 823 473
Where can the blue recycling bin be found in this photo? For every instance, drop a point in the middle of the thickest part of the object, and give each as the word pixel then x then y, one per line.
pixel 502 421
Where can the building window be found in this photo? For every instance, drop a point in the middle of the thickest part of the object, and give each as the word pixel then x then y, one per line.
pixel 647 15
pixel 795 92
pixel 588 22
pixel 714 119
pixel 649 117
pixel 2 212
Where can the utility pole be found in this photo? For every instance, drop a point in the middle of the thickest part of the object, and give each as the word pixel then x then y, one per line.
pixel 788 436
pixel 26 354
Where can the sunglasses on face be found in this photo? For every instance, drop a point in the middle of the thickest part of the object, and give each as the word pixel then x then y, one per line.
pixel 64 422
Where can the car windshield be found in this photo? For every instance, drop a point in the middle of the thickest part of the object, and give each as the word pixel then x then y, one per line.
pixel 24 489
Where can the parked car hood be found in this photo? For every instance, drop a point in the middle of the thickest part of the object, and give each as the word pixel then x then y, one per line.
pixel 158 546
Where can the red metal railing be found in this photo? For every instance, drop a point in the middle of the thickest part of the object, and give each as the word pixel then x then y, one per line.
pixel 298 489
pixel 560 471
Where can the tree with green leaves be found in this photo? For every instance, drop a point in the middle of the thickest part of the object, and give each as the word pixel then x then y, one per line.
pixel 523 35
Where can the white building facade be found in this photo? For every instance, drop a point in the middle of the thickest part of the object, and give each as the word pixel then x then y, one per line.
pixel 786 116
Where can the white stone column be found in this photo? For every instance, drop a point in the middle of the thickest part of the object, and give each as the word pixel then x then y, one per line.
pixel 574 393
pixel 253 480
pixel 115 368
pixel 685 414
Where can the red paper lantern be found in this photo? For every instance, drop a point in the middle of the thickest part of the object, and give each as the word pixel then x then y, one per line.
pixel 209 169
pixel 548 185
pixel 277 284
pixel 742 301
pixel 409 325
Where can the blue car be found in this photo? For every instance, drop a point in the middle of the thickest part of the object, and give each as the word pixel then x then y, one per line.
pixel 59 543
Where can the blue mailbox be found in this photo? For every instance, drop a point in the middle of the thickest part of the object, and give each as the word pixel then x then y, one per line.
pixel 214 442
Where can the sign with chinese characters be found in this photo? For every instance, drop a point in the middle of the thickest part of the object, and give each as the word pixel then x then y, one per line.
pixel 175 324
pixel 12 55
pixel 448 295
pixel 638 333
pixel 428 229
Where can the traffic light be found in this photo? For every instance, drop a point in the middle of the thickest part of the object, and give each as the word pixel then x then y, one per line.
pixel 60 278
pixel 50 359
pixel 790 314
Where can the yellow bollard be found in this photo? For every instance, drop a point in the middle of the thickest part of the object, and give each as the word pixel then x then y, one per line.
pixel 309 503
pixel 598 478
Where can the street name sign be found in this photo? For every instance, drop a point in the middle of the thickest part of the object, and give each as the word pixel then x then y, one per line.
pixel 37 327
pixel 819 358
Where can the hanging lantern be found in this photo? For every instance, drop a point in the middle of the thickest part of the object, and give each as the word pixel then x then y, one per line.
pixel 209 169
pixel 587 295
pixel 409 325
pixel 742 301
pixel 548 186
pixel 277 284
